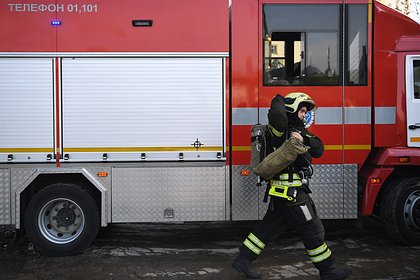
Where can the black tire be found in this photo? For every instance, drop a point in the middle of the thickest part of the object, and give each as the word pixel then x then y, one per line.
pixel 400 210
pixel 61 220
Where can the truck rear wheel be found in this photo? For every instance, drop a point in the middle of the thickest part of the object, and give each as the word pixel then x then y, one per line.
pixel 61 219
pixel 400 210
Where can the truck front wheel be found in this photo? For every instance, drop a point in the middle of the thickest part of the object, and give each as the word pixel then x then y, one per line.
pixel 61 219
pixel 400 210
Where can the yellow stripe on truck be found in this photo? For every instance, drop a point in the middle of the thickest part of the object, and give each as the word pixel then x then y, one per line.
pixel 26 150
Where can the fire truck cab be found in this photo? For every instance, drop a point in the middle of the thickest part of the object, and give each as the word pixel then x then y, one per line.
pixel 131 112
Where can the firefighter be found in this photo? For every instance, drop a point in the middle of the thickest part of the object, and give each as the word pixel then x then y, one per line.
pixel 290 200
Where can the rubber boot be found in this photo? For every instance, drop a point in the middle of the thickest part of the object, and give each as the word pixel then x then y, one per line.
pixel 243 265
pixel 335 273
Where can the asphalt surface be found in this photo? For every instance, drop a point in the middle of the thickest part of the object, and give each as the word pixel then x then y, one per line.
pixel 206 251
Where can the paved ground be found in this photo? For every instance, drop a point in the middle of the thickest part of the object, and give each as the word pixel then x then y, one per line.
pixel 206 251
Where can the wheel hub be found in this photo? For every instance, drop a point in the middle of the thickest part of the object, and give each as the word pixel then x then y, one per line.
pixel 61 221
pixel 65 217
pixel 412 211
pixel 416 213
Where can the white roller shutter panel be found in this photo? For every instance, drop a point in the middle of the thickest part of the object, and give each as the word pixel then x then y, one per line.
pixel 124 107
pixel 26 109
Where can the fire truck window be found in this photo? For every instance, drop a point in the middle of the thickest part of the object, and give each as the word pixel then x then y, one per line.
pixel 356 50
pixel 416 73
pixel 300 46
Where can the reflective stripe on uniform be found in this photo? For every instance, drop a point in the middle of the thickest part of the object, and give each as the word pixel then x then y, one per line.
pixel 306 212
pixel 257 242
pixel 292 184
pixel 318 250
pixel 319 254
pixel 285 176
pixel 252 247
pixel 275 131
pixel 284 181
pixel 321 257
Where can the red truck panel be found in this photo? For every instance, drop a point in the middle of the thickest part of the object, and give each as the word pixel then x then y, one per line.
pixel 390 26
pixel 349 143
pixel 178 26
pixel 24 31
pixel 106 26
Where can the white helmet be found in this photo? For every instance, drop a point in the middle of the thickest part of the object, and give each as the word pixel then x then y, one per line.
pixel 292 101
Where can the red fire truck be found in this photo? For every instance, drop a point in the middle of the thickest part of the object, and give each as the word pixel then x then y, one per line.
pixel 140 111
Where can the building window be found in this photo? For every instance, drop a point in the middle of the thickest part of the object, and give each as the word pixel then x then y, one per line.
pixel 301 44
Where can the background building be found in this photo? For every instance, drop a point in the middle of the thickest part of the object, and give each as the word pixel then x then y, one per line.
pixel 407 7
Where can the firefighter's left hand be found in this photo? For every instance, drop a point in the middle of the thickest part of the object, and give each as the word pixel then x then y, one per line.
pixel 297 136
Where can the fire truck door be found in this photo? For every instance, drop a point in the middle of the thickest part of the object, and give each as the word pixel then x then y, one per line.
pixel 413 100
pixel 26 111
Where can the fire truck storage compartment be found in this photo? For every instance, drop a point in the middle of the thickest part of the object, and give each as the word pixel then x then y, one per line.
pixel 115 109
pixel 173 192
pixel 164 108
pixel 5 197
pixel 26 109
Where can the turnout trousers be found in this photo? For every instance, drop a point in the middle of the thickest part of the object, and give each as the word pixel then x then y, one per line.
pixel 303 216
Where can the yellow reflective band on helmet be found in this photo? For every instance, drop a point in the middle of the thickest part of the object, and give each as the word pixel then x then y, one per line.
pixel 252 247
pixel 321 257
pixel 275 131
pixel 318 250
pixel 257 242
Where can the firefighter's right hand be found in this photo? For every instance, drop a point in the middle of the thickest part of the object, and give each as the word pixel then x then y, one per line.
pixel 296 135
